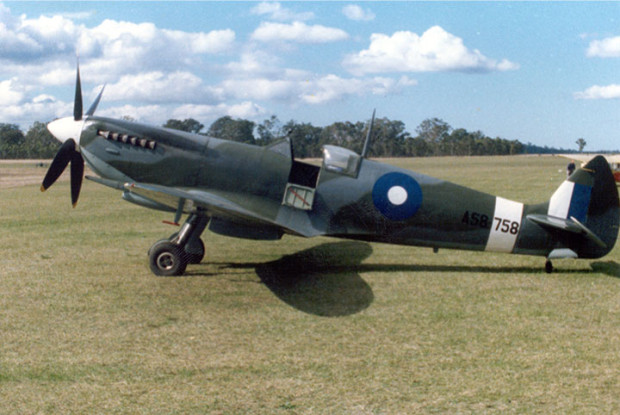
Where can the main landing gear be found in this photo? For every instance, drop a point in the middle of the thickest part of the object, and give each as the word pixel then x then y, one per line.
pixel 170 257
pixel 548 267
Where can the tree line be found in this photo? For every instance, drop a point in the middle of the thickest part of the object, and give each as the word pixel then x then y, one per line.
pixel 389 138
pixel 433 137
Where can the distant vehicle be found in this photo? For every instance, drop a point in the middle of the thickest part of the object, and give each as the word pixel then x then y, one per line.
pixel 261 193
pixel 612 159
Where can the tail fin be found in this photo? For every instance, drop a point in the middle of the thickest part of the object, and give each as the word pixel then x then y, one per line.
pixel 583 212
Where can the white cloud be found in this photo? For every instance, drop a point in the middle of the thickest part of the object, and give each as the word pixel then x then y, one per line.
pixel 605 48
pixel 156 87
pixel 275 11
pixel 42 108
pixel 158 114
pixel 255 63
pixel 435 50
pixel 295 86
pixel 108 50
pixel 25 39
pixel 61 74
pixel 297 32
pixel 332 87
pixel 355 12
pixel 161 73
pixel 600 92
pixel 44 99
pixel 151 114
pixel 9 95
pixel 114 48
pixel 245 110
pixel 258 88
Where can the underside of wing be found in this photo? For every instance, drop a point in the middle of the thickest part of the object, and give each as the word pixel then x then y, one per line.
pixel 225 211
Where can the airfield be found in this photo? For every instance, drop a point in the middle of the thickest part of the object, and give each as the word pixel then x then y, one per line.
pixel 297 326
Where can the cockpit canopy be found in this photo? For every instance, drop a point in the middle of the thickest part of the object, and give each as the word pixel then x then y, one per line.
pixel 341 160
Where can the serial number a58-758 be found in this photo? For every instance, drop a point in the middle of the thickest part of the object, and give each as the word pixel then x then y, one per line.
pixel 483 221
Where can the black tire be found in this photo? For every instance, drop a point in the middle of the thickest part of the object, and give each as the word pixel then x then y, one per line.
pixel 195 253
pixel 174 235
pixel 548 267
pixel 167 259
pixel 161 241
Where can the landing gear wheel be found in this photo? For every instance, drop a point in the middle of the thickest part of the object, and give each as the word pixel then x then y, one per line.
pixel 167 259
pixel 195 252
pixel 161 241
pixel 548 267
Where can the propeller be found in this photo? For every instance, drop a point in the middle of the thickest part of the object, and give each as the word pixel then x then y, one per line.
pixel 67 154
pixel 77 101
pixel 68 130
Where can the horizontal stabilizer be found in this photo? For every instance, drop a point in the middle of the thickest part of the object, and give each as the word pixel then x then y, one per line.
pixel 570 225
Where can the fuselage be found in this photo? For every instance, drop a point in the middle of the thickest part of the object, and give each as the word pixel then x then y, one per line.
pixel 347 196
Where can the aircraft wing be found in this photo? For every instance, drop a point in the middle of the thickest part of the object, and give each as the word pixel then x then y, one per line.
pixel 176 199
pixel 584 158
pixel 613 158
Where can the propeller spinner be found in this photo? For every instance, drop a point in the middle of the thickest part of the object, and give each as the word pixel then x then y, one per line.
pixel 68 131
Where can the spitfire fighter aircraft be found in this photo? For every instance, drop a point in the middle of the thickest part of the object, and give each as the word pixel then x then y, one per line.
pixel 261 193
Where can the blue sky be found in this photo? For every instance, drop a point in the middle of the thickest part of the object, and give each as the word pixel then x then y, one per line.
pixel 540 72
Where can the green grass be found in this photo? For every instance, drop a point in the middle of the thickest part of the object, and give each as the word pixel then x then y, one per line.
pixel 297 326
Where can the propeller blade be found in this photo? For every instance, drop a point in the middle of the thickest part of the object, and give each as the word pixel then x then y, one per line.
pixel 77 103
pixel 93 107
pixel 62 158
pixel 77 173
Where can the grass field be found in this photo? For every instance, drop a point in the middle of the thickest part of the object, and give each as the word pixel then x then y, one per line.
pixel 298 326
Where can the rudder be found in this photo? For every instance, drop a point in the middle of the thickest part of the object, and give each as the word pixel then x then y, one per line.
pixel 588 199
pixel 604 210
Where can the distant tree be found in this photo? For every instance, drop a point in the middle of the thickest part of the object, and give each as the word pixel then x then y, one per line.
pixel 459 143
pixel 344 134
pixel 39 142
pixel 235 130
pixel 416 147
pixel 270 130
pixel 190 125
pixel 305 138
pixel 581 143
pixel 11 141
pixel 388 138
pixel 433 131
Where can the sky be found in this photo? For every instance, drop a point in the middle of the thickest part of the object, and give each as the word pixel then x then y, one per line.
pixel 545 73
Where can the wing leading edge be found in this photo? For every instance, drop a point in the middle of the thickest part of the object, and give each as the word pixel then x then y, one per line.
pixel 185 200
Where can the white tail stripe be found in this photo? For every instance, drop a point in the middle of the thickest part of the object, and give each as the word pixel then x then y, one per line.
pixel 559 205
pixel 505 226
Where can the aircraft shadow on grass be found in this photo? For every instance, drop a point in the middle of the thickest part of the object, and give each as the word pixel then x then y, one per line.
pixel 324 280
pixel 611 268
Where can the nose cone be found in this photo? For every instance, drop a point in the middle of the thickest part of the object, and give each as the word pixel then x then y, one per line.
pixel 66 128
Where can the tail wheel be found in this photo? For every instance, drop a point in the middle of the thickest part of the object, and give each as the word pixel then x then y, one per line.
pixel 167 259
pixel 548 267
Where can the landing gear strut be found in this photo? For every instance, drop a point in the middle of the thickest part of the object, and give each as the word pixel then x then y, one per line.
pixel 170 257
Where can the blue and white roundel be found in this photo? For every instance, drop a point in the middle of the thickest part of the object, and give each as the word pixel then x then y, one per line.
pixel 397 196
